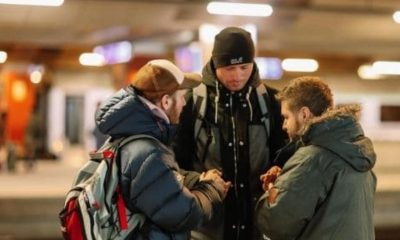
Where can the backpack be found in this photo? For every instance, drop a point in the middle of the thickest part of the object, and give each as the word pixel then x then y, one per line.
pixel 94 207
pixel 200 103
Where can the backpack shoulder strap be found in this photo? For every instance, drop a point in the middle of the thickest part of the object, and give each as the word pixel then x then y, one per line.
pixel 199 105
pixel 129 139
pixel 116 144
pixel 262 96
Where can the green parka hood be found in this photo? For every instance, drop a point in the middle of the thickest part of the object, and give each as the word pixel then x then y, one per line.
pixel 339 131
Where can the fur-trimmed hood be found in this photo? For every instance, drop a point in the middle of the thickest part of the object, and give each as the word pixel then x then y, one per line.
pixel 339 131
pixel 352 111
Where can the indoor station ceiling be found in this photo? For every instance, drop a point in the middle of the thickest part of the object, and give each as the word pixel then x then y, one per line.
pixel 362 28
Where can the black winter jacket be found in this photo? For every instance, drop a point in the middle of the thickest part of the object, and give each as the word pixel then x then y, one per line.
pixel 232 139
pixel 150 179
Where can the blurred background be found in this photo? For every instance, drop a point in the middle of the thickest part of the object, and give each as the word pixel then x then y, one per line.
pixel 57 63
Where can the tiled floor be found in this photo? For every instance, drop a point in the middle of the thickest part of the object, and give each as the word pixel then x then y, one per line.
pixel 47 178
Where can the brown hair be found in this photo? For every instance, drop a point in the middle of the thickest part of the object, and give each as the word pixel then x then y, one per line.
pixel 309 92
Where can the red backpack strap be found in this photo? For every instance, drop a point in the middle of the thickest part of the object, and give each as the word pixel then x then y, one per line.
pixel 123 218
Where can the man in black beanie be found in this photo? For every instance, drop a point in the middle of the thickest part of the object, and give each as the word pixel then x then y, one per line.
pixel 232 46
pixel 231 122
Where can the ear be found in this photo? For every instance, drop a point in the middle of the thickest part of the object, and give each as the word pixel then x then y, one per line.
pixel 305 113
pixel 165 102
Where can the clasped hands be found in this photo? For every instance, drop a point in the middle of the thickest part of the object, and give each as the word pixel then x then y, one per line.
pixel 215 176
pixel 268 180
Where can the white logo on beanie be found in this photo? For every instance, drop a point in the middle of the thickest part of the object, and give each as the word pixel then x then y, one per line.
pixel 236 60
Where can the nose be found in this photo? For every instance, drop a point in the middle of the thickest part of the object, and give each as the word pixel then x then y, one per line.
pixel 236 74
pixel 284 126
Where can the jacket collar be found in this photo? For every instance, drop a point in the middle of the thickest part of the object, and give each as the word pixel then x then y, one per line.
pixel 155 109
pixel 346 111
pixel 210 78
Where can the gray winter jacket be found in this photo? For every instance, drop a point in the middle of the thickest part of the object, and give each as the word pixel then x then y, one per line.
pixel 150 178
pixel 326 189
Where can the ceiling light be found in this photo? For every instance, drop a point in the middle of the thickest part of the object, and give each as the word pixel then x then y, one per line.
pixel 3 56
pixel 207 32
pixel 92 59
pixel 240 9
pixel 51 3
pixel 396 16
pixel 36 72
pixel 367 72
pixel 300 65
pixel 36 77
pixel 386 67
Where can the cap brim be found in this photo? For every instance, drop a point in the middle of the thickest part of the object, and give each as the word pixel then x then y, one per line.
pixel 190 80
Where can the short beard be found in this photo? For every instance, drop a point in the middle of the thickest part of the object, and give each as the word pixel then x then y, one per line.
pixel 172 114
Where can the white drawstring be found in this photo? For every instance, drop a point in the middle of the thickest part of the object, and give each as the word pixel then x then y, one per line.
pixel 249 103
pixel 216 100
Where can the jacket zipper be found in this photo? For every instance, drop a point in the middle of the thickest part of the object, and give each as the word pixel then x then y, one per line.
pixel 235 158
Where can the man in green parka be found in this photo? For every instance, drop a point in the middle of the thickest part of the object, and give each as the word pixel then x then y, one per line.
pixel 326 189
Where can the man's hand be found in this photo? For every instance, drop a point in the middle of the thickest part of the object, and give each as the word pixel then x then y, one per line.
pixel 272 195
pixel 210 175
pixel 215 176
pixel 269 177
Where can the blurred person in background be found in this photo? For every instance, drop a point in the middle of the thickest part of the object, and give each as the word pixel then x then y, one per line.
pixel 3 139
pixel 326 189
pixel 233 136
pixel 8 155
pixel 33 133
pixel 151 181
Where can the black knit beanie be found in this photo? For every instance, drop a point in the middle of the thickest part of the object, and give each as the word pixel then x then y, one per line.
pixel 232 46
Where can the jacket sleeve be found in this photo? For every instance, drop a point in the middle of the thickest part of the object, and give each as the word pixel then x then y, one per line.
pixel 157 190
pixel 191 178
pixel 299 193
pixel 184 144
